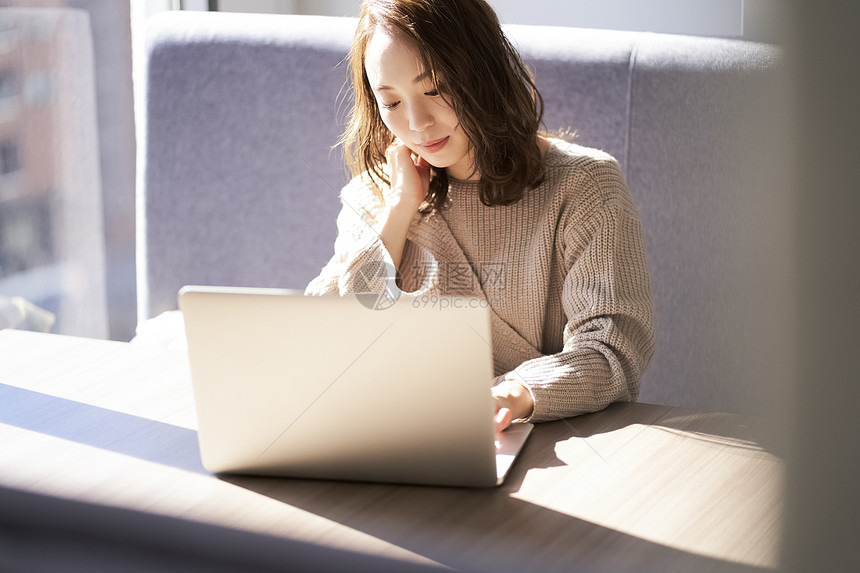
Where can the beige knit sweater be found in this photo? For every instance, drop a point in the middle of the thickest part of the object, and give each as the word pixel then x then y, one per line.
pixel 563 271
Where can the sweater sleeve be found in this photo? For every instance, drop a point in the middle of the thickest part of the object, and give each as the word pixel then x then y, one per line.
pixel 608 338
pixel 361 263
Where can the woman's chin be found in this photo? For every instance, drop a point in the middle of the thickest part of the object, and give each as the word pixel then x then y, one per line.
pixel 435 164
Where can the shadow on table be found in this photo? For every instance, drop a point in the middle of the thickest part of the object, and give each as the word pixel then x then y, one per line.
pixel 724 429
pixel 492 530
pixel 102 428
pixel 452 526
pixel 47 534
pixel 446 525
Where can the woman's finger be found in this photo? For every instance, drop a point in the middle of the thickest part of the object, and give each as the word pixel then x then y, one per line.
pixel 503 419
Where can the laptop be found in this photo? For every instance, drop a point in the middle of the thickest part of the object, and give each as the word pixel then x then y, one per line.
pixel 333 387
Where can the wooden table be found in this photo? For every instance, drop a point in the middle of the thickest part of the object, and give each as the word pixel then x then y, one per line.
pixel 637 487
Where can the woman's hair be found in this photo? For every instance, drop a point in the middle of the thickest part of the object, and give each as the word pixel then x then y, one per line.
pixel 477 71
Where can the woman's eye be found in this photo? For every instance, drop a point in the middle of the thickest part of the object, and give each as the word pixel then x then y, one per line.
pixel 390 105
pixel 432 93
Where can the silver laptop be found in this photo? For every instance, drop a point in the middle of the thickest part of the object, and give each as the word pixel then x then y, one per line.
pixel 337 388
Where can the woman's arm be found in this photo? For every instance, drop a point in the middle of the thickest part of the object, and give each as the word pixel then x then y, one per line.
pixel 608 338
pixel 372 235
pixel 410 180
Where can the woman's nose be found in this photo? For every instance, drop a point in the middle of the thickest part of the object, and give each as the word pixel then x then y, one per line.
pixel 420 118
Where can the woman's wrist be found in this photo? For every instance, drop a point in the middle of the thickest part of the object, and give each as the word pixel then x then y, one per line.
pixel 403 201
pixel 395 227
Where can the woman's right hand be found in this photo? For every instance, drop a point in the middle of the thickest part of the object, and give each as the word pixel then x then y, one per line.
pixel 410 179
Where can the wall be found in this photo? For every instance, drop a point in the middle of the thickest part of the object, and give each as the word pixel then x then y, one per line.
pixel 748 19
pixel 699 17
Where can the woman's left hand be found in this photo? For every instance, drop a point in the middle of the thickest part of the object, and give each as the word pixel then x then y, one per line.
pixel 513 401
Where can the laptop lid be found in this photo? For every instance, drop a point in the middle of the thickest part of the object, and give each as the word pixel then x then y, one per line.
pixel 327 387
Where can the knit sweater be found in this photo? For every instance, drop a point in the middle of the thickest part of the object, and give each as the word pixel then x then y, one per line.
pixel 563 272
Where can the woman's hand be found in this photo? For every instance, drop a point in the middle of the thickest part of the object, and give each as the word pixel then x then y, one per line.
pixel 410 181
pixel 410 178
pixel 513 401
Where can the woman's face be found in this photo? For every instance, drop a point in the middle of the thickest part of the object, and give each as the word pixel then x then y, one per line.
pixel 411 107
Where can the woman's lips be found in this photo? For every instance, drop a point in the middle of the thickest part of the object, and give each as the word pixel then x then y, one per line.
pixel 434 146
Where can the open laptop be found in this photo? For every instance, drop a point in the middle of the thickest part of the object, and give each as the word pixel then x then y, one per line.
pixel 329 387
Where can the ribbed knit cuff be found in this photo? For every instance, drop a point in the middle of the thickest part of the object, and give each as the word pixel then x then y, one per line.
pixel 371 271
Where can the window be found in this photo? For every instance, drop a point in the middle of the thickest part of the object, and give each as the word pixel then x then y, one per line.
pixel 8 84
pixel 52 243
pixel 9 162
pixel 26 235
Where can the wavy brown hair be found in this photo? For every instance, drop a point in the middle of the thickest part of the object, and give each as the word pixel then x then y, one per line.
pixel 481 76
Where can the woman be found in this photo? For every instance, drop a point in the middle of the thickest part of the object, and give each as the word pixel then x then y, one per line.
pixel 458 192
